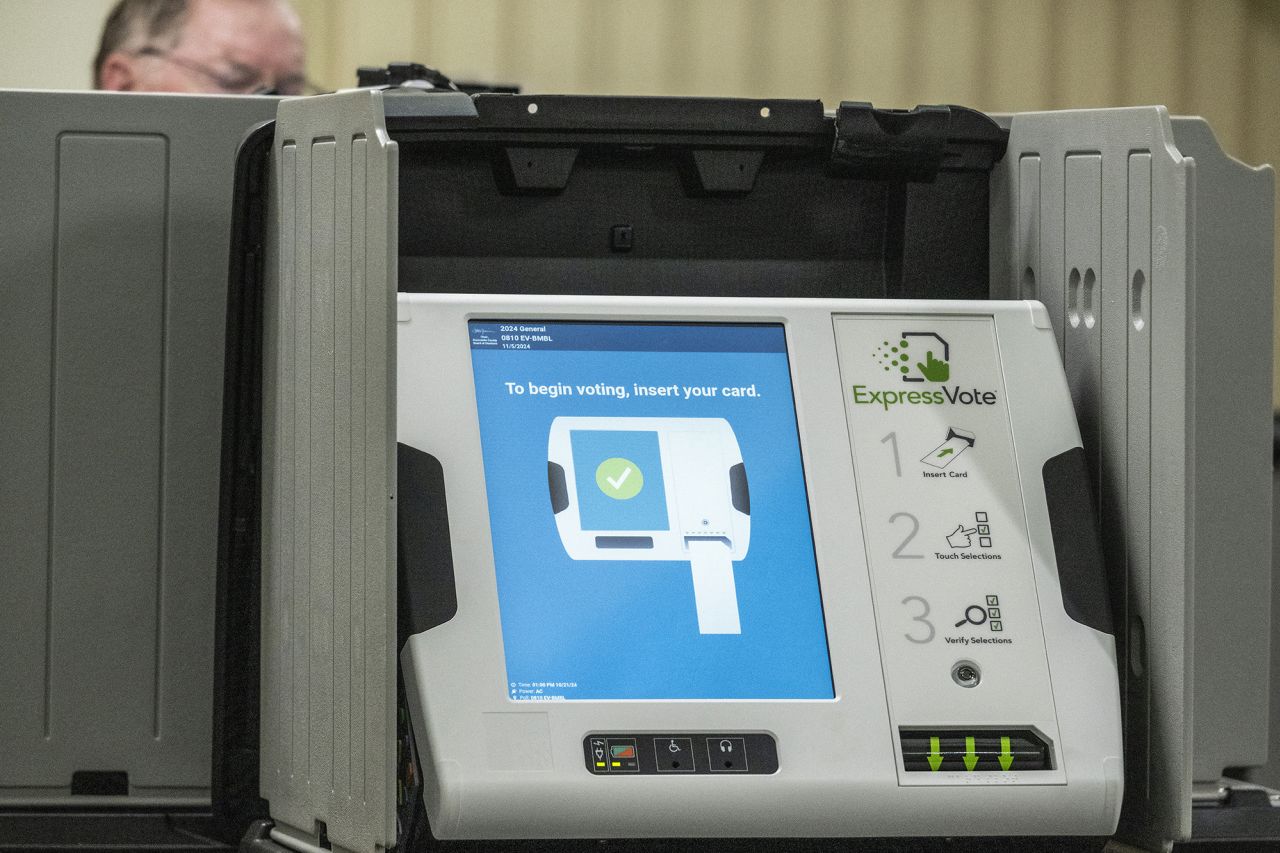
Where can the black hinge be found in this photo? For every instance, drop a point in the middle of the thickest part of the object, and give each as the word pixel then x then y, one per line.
pixel 395 74
pixel 913 145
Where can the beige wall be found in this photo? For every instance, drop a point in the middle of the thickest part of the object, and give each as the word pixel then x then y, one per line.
pixel 1216 58
pixel 49 44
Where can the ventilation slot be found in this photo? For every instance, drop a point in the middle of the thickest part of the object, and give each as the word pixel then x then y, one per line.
pixel 1073 298
pixel 1137 646
pixel 1138 294
pixel 1090 286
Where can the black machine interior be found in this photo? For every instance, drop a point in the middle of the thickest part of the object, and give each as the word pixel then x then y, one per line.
pixel 696 197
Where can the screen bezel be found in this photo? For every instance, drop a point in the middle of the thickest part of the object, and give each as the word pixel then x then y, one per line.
pixel 779 324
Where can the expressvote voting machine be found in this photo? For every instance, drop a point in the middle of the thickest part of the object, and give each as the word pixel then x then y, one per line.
pixel 724 572
pixel 602 512
pixel 617 468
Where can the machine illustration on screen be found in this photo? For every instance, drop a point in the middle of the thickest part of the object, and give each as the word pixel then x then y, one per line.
pixel 670 489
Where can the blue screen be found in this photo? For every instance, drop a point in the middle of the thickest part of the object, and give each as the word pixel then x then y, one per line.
pixel 576 629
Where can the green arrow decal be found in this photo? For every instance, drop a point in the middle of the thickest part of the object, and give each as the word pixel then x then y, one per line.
pixel 947 452
pixel 1006 754
pixel 970 755
pixel 935 754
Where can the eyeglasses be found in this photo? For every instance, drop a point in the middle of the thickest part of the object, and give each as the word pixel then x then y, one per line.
pixel 241 80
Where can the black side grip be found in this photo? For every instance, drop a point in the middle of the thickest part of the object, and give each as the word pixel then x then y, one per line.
pixel 738 489
pixel 424 576
pixel 1077 545
pixel 558 487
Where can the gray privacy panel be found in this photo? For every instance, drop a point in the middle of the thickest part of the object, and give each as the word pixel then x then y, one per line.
pixel 113 257
pixel 328 572
pixel 1150 559
pixel 1234 216
pixel 1152 251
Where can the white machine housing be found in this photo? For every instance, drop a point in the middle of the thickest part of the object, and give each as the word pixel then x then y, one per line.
pixel 498 768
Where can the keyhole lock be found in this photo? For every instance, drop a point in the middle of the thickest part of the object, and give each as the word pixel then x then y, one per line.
pixel 966 673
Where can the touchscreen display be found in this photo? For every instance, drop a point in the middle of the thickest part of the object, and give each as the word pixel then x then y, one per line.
pixel 648 512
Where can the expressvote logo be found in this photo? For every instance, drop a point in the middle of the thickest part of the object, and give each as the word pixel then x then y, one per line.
pixel 923 358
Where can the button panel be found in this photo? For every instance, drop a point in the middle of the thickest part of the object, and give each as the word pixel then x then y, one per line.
pixel 680 753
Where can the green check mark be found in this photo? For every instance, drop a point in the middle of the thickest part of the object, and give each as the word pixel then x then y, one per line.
pixel 619 478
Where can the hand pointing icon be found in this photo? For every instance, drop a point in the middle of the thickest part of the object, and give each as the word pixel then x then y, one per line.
pixel 961 537
pixel 933 369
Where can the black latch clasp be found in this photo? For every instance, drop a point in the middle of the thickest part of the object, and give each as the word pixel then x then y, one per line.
pixel 413 74
pixel 906 145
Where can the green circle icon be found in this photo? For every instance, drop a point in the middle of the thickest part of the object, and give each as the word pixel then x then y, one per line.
pixel 619 478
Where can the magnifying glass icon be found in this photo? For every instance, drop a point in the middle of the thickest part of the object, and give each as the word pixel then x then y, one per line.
pixel 968 615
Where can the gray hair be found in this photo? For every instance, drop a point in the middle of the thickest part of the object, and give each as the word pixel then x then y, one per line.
pixel 133 23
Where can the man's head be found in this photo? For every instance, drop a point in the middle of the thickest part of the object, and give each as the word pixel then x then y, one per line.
pixel 224 46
